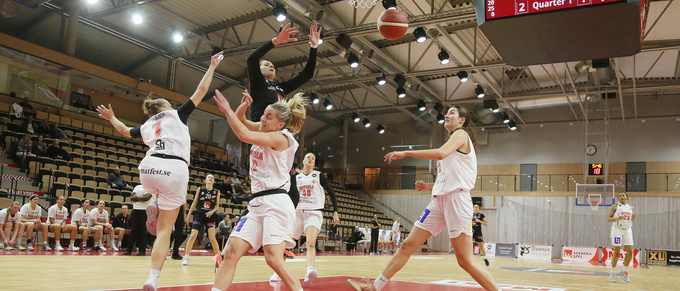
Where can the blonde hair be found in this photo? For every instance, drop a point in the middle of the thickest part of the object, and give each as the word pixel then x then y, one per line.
pixel 152 106
pixel 462 112
pixel 292 112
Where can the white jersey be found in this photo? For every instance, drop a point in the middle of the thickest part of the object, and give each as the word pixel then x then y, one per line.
pixel 6 215
pixel 625 211
pixel 58 214
pixel 395 226
pixel 456 172
pixel 30 213
pixel 83 217
pixel 312 194
pixel 165 133
pixel 269 169
pixel 100 217
pixel 140 205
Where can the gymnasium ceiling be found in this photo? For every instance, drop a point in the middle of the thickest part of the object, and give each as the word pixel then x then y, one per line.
pixel 550 93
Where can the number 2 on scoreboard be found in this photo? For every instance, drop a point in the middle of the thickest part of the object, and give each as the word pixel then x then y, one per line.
pixel 521 7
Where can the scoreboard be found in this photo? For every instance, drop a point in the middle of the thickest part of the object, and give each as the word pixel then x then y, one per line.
pixel 595 169
pixel 496 9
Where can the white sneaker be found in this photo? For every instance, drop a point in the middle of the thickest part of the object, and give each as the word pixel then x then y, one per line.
pixel 102 248
pixel 45 247
pixel 310 277
pixel 185 261
pixel 29 246
pixel 19 247
pixel 275 278
pixel 58 248
pixel 114 248
pixel 73 248
pixel 2 246
pixel 151 285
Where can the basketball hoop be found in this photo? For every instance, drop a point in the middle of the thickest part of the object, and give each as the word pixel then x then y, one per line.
pixel 594 204
pixel 363 4
pixel 8 8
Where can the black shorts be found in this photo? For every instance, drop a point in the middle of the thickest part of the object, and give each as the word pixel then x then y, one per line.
pixel 202 222
pixel 477 236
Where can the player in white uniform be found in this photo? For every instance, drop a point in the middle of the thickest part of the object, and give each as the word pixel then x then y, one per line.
pixel 308 216
pixel 10 220
pixel 269 222
pixel 621 215
pixel 451 204
pixel 81 219
pixel 396 233
pixel 99 219
pixel 31 216
pixel 164 171
pixel 56 219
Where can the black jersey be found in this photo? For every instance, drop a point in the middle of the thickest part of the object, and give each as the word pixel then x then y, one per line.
pixel 476 226
pixel 207 199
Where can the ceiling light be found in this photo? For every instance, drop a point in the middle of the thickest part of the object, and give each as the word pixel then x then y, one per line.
pixel 492 105
pixel 401 92
pixel 440 118
pixel 420 34
pixel 463 76
pixel 506 118
pixel 279 12
pixel 512 125
pixel 353 60
pixel 355 117
pixel 137 17
pixel 443 57
pixel 381 80
pixel 480 92
pixel 92 1
pixel 421 105
pixel 314 98
pixel 381 129
pixel 177 36
pixel 387 4
pixel 366 122
pixel 328 104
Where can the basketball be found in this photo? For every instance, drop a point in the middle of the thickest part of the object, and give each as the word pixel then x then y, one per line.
pixel 392 24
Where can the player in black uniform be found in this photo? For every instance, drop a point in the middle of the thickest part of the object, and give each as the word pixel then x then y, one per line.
pixel 261 72
pixel 207 199
pixel 478 219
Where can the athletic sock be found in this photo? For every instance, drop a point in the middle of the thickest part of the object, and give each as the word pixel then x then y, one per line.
pixel 484 258
pixel 380 282
pixel 154 274
pixel 72 243
pixel 613 269
pixel 625 268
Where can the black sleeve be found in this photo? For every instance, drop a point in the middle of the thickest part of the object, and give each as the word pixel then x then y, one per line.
pixel 136 132
pixel 294 193
pixel 304 76
pixel 185 110
pixel 116 220
pixel 329 189
pixel 253 64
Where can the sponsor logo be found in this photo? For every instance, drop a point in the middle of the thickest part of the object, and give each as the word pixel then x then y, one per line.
pixel 657 258
pixel 153 171
pixel 424 215
pixel 313 176
pixel 568 253
pixel 159 116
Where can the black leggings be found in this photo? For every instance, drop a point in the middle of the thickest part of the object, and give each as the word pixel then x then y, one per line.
pixel 374 240
pixel 138 232
pixel 179 230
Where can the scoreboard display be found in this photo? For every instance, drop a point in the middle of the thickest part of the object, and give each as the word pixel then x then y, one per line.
pixel 496 9
pixel 596 169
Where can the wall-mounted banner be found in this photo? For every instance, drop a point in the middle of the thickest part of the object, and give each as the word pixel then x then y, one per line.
pixel 607 253
pixel 506 250
pixel 535 252
pixel 490 249
pixel 580 254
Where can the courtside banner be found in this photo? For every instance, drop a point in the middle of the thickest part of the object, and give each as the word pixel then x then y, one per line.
pixel 535 252
pixel 607 253
pixel 673 258
pixel 490 249
pixel 580 254
pixel 655 257
pixel 506 250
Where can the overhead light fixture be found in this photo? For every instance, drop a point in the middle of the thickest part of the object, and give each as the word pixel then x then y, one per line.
pixel 479 91
pixel 443 57
pixel 177 36
pixel 328 104
pixel 92 1
pixel 280 12
pixel 315 98
pixel 440 118
pixel 421 105
pixel 506 118
pixel 463 76
pixel 512 125
pixel 381 129
pixel 353 60
pixel 381 80
pixel 387 4
pixel 366 122
pixel 401 92
pixel 137 17
pixel 492 105
pixel 355 117
pixel 420 34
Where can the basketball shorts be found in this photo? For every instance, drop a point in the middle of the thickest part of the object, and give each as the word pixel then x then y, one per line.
pixel 201 221
pixel 622 237
pixel 269 222
pixel 453 211
pixel 305 219
pixel 477 236
pixel 166 177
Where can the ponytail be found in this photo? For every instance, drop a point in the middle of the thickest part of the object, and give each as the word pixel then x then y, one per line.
pixel 152 106
pixel 292 112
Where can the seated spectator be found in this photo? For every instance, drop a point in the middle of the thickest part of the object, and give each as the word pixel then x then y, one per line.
pixel 354 238
pixel 116 180
pixel 56 152
pixel 121 224
pixel 11 228
pixel 24 148
pixel 57 133
pixel 99 219
pixel 81 219
pixel 56 221
pixel 27 108
pixel 137 220
pixel 40 147
pixel 239 194
pixel 31 217
pixel 225 226
pixel 29 126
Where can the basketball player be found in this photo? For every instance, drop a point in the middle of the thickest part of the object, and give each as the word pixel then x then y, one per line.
pixel 56 219
pixel 10 220
pixel 99 219
pixel 478 219
pixel 451 204
pixel 164 171
pixel 81 219
pixel 261 73
pixel 271 214
pixel 621 215
pixel 207 198
pixel 31 217
pixel 309 218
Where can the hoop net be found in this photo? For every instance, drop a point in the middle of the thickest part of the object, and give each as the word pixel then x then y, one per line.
pixel 594 205
pixel 8 8
pixel 363 4
pixel 594 200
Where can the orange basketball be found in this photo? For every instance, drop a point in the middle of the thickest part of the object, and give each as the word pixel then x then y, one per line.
pixel 392 23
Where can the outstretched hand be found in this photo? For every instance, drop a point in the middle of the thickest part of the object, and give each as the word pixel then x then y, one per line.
pixel 391 156
pixel 104 112
pixel 222 102
pixel 314 35
pixel 216 59
pixel 245 103
pixel 285 34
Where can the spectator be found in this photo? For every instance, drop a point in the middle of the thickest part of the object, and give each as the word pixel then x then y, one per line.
pixel 10 221
pixel 27 107
pixel 56 152
pixel 99 219
pixel 81 219
pixel 137 219
pixel 116 181
pixel 57 133
pixel 31 217
pixel 56 220
pixel 24 148
pixel 121 225
pixel 29 126
pixel 40 147
pixel 354 239
pixel 375 231
pixel 225 226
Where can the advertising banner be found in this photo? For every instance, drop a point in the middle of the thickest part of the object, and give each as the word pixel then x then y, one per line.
pixel 490 249
pixel 534 252
pixel 607 253
pixel 580 254
pixel 506 250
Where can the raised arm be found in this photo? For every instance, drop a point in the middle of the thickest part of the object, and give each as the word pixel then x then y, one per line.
pixel 107 113
pixel 457 140
pixel 309 69
pixel 204 85
pixel 252 125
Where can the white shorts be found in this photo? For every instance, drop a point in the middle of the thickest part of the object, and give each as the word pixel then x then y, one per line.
pixel 621 237
pixel 453 211
pixel 269 222
pixel 166 177
pixel 305 219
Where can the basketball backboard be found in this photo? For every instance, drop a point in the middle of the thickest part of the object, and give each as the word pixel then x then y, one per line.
pixel 595 195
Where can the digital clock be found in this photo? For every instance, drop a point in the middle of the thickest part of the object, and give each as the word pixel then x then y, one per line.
pixel 596 169
pixel 496 9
